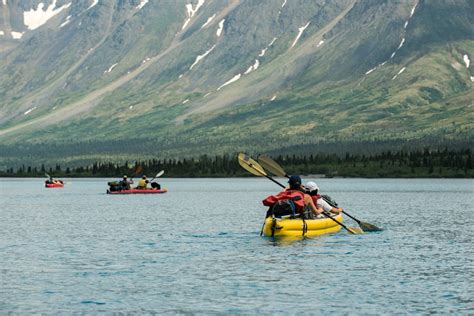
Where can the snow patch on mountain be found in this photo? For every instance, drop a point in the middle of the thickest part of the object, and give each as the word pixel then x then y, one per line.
pixel 200 57
pixel 401 70
pixel 404 31
pixel 300 32
pixel 234 79
pixel 190 11
pixel 262 53
pixel 253 67
pixel 185 101
pixel 17 35
pixel 368 72
pixel 4 2
pixel 111 68
pixel 68 19
pixel 30 110
pixel 321 42
pixel 472 78
pixel 208 21
pixel 141 5
pixel 284 3
pixel 401 43
pixel 220 28
pixel 413 9
pixel 466 59
pixel 93 4
pixel 35 18
pixel 273 98
pixel 2 33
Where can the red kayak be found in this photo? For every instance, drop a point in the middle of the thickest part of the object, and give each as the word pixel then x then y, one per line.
pixel 54 185
pixel 138 191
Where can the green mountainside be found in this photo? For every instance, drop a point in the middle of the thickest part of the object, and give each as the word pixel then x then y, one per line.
pixel 117 80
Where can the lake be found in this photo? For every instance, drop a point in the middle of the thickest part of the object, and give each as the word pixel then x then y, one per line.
pixel 197 249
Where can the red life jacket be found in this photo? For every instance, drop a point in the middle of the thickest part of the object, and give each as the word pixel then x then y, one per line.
pixel 315 199
pixel 296 196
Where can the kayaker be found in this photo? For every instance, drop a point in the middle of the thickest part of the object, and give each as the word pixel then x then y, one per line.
pixel 296 193
pixel 312 189
pixel 53 181
pixel 142 183
pixel 125 183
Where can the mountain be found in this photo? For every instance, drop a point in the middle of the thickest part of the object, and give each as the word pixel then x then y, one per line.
pixel 91 80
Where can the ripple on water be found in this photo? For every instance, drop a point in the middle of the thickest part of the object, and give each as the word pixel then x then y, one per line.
pixel 78 251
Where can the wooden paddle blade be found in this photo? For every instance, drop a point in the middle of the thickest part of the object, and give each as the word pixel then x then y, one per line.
pixel 250 165
pixel 356 230
pixel 369 227
pixel 271 165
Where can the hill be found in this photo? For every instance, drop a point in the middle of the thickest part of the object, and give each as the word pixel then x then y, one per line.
pixel 89 80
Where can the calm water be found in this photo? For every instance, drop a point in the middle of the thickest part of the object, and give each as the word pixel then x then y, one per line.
pixel 197 249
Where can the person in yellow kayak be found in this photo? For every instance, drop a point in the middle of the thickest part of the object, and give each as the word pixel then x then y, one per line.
pixel 313 190
pixel 296 194
pixel 142 183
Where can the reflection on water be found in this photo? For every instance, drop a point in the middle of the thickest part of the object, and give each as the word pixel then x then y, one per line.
pixel 197 249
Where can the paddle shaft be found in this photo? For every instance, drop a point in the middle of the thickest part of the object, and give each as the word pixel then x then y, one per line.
pixel 159 174
pixel 358 221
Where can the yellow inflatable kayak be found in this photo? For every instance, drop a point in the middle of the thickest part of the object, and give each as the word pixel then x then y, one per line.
pixel 278 227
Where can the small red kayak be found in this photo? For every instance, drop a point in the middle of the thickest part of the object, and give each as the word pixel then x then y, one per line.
pixel 54 185
pixel 138 191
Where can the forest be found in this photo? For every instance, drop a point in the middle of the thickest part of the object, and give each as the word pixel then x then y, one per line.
pixel 440 163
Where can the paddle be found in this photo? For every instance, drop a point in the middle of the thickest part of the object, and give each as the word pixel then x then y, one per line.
pixel 159 174
pixel 51 178
pixel 253 167
pixel 271 165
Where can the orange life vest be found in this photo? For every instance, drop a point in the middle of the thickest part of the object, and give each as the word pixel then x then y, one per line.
pixel 296 196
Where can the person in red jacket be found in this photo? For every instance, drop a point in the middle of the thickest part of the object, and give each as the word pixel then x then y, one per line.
pixel 313 190
pixel 296 193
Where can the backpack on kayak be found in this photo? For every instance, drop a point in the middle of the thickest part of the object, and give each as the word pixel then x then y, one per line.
pixel 282 208
pixel 114 186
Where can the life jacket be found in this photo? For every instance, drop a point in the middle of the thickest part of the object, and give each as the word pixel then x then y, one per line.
pixel 315 199
pixel 142 183
pixel 296 196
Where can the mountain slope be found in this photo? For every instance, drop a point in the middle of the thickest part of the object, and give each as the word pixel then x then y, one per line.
pixel 188 77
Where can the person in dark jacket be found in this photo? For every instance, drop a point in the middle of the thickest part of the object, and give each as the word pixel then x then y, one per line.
pixel 125 183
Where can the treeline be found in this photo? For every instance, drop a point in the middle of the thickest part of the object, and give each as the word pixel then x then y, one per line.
pixel 419 163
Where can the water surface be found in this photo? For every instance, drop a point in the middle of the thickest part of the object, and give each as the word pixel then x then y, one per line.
pixel 197 249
